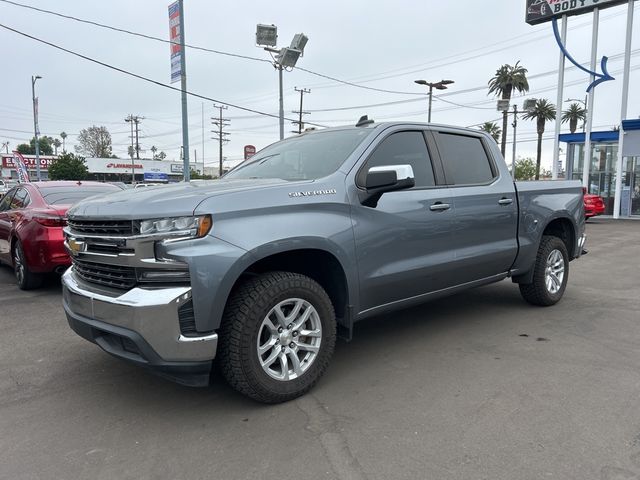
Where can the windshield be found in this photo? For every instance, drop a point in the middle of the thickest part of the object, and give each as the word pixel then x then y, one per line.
pixel 306 157
pixel 71 195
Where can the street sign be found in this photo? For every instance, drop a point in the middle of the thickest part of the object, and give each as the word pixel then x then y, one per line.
pixel 249 151
pixel 174 38
pixel 540 11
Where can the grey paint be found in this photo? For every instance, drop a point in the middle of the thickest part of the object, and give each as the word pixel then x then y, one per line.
pixel 393 255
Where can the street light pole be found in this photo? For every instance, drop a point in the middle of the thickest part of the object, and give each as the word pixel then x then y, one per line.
pixel 441 85
pixel 35 123
pixel 279 67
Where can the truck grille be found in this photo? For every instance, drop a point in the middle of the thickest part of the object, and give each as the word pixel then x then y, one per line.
pixel 108 228
pixel 114 276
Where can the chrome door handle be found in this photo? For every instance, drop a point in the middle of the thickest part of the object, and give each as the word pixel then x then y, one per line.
pixel 505 201
pixel 436 207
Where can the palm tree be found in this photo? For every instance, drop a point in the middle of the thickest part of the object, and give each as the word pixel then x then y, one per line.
pixel 542 112
pixel 572 114
pixel 492 129
pixel 63 136
pixel 154 149
pixel 507 79
pixel 56 145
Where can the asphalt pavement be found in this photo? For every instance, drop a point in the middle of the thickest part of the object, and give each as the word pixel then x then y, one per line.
pixel 480 385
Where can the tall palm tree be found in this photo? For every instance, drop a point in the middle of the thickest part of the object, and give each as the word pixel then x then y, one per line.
pixel 56 145
pixel 63 136
pixel 572 114
pixel 492 129
pixel 507 79
pixel 154 149
pixel 542 112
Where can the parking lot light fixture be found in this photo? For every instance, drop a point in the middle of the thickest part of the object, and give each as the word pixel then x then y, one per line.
pixel 285 58
pixel 441 85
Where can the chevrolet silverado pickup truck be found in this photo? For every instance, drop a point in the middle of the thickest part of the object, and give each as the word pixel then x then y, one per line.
pixel 261 268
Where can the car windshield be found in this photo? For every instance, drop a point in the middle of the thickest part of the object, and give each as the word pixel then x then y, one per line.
pixel 307 157
pixel 71 195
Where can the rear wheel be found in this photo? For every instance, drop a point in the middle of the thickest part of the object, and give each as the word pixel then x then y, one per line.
pixel 277 336
pixel 27 280
pixel 550 275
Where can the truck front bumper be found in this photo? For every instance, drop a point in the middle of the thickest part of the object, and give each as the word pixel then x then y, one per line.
pixel 141 326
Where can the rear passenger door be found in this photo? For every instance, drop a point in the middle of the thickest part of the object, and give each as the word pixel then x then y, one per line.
pixel 485 205
pixel 5 226
pixel 403 245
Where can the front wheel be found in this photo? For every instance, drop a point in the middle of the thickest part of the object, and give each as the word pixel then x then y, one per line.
pixel 550 274
pixel 277 336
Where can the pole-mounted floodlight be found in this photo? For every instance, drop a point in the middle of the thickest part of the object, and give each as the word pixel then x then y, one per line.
pixel 287 57
pixel 529 104
pixel 266 35
pixel 298 43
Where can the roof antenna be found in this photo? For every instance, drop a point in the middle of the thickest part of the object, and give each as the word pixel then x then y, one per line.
pixel 364 121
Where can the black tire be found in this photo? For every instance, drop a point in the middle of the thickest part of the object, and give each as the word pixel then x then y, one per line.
pixel 537 292
pixel 27 280
pixel 242 322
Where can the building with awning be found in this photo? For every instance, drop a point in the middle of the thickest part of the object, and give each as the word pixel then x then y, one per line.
pixel 604 166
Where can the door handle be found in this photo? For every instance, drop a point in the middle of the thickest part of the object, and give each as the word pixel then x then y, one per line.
pixel 438 206
pixel 505 201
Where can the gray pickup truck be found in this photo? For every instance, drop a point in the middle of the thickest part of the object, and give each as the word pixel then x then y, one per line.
pixel 261 268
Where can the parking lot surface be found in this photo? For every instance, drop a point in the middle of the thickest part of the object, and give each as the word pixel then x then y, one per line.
pixel 476 386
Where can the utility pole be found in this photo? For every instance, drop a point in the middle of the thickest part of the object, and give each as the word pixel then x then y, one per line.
pixel 36 129
pixel 221 134
pixel 300 112
pixel 135 147
pixel 5 145
pixel 513 155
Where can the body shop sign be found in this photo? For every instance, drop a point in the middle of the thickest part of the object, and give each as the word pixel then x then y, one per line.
pixel 539 11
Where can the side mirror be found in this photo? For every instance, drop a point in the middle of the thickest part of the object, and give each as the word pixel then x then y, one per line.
pixel 386 178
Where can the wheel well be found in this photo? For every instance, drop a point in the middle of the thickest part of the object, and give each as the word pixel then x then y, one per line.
pixel 563 229
pixel 319 265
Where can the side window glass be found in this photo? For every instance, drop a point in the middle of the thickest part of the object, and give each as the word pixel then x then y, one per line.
pixel 5 203
pixel 464 159
pixel 20 199
pixel 402 148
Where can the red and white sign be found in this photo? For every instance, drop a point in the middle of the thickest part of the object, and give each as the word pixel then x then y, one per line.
pixel 30 162
pixel 249 151
pixel 124 165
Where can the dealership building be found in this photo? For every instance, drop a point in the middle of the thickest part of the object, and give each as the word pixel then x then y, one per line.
pixel 104 169
pixel 603 166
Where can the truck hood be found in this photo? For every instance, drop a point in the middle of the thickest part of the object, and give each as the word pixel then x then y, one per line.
pixel 163 201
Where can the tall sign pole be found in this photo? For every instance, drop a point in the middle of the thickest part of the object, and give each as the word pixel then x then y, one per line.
pixel 586 165
pixel 179 72
pixel 623 110
pixel 556 139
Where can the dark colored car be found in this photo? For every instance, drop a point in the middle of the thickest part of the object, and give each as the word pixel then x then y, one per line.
pixel 32 216
pixel 593 204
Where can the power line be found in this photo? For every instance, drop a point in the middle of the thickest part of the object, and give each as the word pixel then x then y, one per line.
pixel 141 77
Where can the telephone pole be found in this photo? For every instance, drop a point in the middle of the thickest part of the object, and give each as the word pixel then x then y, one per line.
pixel 221 135
pixel 300 112
pixel 134 120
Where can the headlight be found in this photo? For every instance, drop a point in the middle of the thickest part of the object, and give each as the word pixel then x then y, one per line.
pixel 193 227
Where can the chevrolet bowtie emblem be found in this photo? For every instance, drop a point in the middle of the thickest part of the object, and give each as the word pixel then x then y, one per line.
pixel 75 246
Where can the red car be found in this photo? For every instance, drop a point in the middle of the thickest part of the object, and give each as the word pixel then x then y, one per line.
pixel 593 204
pixel 32 216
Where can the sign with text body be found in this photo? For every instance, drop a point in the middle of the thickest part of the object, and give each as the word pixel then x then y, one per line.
pixel 174 38
pixel 249 151
pixel 540 11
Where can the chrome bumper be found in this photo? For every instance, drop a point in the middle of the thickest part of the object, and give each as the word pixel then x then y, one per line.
pixel 151 314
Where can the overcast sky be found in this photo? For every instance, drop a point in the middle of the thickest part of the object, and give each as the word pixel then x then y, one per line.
pixel 385 45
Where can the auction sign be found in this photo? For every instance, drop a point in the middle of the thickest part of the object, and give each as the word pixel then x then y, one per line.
pixel 539 11
pixel 174 38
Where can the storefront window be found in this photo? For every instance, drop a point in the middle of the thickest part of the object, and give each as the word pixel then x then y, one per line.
pixel 602 175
